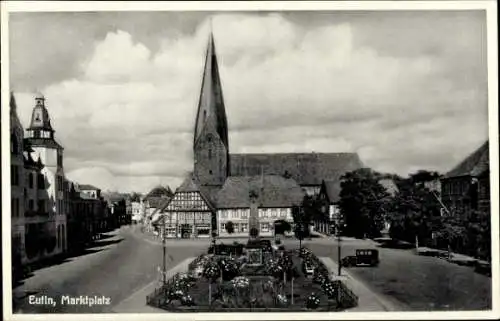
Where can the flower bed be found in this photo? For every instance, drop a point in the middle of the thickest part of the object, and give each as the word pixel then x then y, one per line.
pixel 226 284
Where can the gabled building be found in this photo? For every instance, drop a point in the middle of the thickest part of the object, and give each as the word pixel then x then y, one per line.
pixel 467 186
pixel 266 198
pixel 188 214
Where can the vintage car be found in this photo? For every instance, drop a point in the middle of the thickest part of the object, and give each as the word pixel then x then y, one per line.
pixel 364 257
pixel 308 268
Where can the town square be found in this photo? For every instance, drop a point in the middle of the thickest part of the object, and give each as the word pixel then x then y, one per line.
pixel 168 162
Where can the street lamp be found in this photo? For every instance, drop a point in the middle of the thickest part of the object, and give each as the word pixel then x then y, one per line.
pixel 339 249
pixel 164 246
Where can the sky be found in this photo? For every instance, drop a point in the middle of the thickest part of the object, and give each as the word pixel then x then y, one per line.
pixel 405 90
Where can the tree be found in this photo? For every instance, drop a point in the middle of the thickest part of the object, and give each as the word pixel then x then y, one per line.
pixel 254 232
pixel 363 203
pixel 301 223
pixel 282 226
pixel 135 197
pixel 414 210
pixel 230 227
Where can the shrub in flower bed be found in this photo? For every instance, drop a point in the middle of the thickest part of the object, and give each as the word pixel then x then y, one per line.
pixel 313 301
pixel 225 285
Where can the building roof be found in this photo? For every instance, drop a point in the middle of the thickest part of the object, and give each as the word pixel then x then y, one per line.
pixel 87 187
pixel 29 162
pixel 43 142
pixel 304 168
pixel 158 191
pixel 14 118
pixel 191 184
pixel 40 118
pixel 332 189
pixel 157 202
pixel 211 110
pixel 271 191
pixel 475 164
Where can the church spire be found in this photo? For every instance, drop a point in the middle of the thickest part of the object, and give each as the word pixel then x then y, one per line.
pixel 211 110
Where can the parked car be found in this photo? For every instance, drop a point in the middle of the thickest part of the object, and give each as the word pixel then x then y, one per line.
pixel 308 268
pixel 364 257
pixel 483 268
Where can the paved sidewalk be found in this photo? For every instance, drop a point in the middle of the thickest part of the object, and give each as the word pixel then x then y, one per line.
pixel 136 303
pixel 456 258
pixel 368 300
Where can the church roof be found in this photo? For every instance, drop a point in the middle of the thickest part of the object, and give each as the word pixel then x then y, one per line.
pixel 475 164
pixel 304 168
pixel 271 191
pixel 211 110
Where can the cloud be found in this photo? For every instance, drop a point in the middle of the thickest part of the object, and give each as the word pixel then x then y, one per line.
pixel 126 120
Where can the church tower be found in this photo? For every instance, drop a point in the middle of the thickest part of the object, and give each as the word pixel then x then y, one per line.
pixel 211 145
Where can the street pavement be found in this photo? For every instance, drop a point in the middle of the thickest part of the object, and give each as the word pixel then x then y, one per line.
pixel 418 282
pixel 127 262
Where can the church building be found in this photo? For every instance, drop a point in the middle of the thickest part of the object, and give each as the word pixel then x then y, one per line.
pixel 250 190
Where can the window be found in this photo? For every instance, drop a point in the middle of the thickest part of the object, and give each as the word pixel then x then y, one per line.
pixel 223 214
pixel 59 160
pixel 31 205
pixel 236 227
pixel 223 227
pixel 41 181
pixel 36 134
pixel 209 153
pixel 243 227
pixel 283 212
pixel 15 207
pixel 59 236
pixel 244 213
pixel 41 206
pixel 264 227
pixel 273 213
pixel 14 175
pixel 30 180
pixel 14 144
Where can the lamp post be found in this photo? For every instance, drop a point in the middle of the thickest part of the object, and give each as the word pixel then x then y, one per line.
pixel 339 248
pixel 164 246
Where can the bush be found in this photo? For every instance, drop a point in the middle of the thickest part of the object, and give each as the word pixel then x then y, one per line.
pixel 312 301
pixel 254 232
